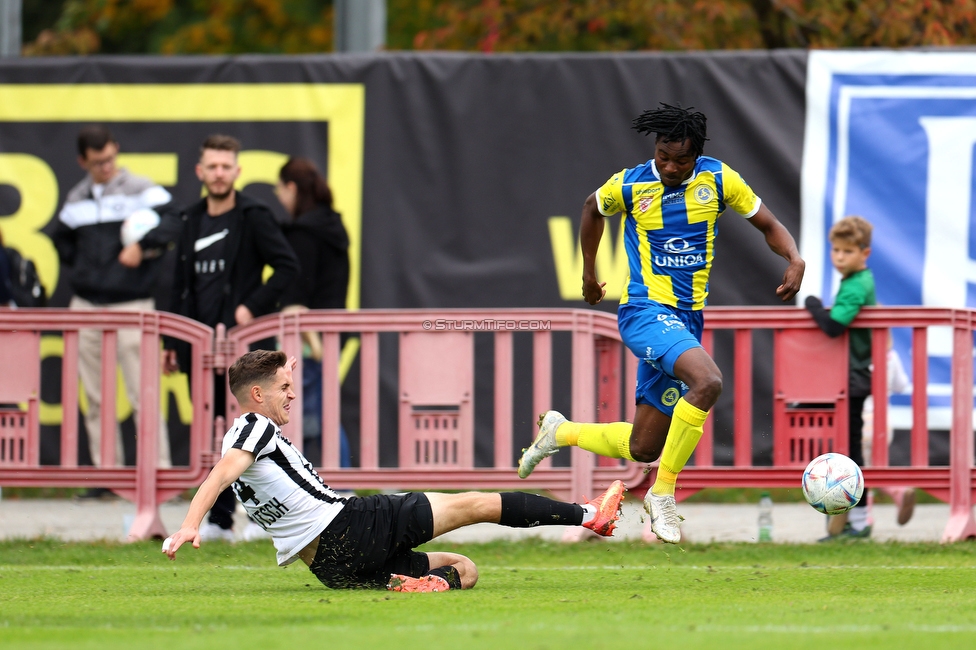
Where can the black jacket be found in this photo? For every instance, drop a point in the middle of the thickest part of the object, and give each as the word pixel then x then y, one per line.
pixel 256 241
pixel 320 241
pixel 5 295
pixel 90 249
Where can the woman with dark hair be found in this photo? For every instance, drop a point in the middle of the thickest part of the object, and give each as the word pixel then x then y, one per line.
pixel 319 239
pixel 316 234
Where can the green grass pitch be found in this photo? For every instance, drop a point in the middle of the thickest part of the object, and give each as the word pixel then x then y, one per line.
pixel 532 595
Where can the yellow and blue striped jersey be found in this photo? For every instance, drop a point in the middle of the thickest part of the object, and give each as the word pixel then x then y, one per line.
pixel 669 232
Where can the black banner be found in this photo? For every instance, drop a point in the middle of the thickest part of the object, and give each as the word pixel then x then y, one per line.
pixel 460 177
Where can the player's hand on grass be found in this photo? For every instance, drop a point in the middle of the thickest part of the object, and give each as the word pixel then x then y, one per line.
pixel 593 290
pixel 180 537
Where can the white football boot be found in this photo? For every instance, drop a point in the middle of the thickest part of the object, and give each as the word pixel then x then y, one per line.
pixel 544 444
pixel 665 520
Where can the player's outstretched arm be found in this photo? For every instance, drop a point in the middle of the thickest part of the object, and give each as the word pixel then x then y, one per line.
pixel 781 242
pixel 227 470
pixel 591 231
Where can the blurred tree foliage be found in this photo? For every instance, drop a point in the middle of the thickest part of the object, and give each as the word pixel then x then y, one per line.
pixel 185 27
pixel 293 26
pixel 619 25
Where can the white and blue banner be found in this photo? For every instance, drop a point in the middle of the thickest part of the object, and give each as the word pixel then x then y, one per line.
pixel 890 137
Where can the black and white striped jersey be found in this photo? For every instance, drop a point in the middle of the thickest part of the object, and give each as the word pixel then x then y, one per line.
pixel 280 490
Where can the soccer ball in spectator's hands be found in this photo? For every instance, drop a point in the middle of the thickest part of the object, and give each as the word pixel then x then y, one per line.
pixel 137 224
pixel 832 483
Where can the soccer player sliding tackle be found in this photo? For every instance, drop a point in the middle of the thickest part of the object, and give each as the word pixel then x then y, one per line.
pixel 356 542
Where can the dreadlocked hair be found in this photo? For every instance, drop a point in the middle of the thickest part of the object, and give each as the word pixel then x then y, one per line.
pixel 674 124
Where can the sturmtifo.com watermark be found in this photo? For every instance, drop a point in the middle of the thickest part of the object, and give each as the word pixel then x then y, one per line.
pixel 487 325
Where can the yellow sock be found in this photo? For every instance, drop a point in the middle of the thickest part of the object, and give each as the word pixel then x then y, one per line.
pixel 611 439
pixel 567 434
pixel 665 482
pixel 683 437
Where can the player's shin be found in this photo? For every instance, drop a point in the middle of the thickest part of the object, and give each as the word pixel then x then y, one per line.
pixel 522 510
pixel 683 437
pixel 611 439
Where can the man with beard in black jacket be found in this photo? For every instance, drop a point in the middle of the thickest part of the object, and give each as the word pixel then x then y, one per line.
pixel 227 240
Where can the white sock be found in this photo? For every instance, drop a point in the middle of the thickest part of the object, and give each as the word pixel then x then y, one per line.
pixel 589 513
pixel 858 518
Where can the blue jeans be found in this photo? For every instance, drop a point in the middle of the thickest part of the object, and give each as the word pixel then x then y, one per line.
pixel 312 415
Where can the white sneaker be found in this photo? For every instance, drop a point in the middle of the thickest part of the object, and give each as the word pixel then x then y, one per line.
pixel 544 444
pixel 210 532
pixel 253 532
pixel 665 520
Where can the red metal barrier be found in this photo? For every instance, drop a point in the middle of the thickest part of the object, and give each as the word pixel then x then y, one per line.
pixel 145 484
pixel 601 382
pixel 584 328
pixel 810 398
pixel 603 374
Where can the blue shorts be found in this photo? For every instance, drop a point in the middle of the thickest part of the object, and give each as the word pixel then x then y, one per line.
pixel 658 335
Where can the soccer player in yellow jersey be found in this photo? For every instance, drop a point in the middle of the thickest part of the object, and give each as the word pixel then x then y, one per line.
pixel 671 204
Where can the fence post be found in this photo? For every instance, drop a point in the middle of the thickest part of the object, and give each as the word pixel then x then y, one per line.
pixel 503 398
pixel 742 398
pixel 147 523
pixel 69 399
pixel 584 398
pixel 920 397
pixel 961 523
pixel 879 389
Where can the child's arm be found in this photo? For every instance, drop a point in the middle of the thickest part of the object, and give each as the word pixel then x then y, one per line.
pixel 830 327
pixel 850 298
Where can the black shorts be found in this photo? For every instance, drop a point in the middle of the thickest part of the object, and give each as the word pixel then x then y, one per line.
pixel 373 537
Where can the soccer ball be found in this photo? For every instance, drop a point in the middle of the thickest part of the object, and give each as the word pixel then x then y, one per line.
pixel 832 483
pixel 137 224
